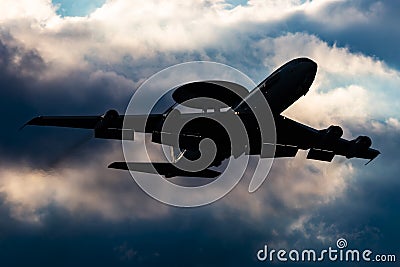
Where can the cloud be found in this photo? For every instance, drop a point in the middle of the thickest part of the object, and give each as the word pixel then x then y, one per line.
pixel 348 86
pixel 85 65
pixel 81 8
pixel 24 9
pixel 40 168
pixel 142 30
pixel 92 190
pixel 339 84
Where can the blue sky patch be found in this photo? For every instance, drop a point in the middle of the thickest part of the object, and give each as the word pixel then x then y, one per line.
pixel 74 8
pixel 237 2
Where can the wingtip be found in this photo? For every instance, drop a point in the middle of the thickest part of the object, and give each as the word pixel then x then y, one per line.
pixel 23 126
pixel 30 122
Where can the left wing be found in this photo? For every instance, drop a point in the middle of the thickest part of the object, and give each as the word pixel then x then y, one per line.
pixel 322 144
pixel 111 119
pixel 108 126
pixel 82 122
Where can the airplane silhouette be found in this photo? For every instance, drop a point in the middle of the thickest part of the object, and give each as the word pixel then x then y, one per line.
pixel 280 90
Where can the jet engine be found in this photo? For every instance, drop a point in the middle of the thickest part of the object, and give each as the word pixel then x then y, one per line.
pixel 334 132
pixel 110 115
pixel 106 127
pixel 363 142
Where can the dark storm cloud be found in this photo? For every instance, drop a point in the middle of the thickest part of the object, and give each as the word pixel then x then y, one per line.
pixel 366 214
pixel 189 237
pixel 376 35
pixel 24 95
pixel 374 196
pixel 92 91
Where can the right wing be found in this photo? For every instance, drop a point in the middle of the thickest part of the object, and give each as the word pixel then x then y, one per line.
pixel 323 144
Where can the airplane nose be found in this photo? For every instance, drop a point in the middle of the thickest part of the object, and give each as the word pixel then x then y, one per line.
pixel 308 65
pixel 312 67
pixel 309 70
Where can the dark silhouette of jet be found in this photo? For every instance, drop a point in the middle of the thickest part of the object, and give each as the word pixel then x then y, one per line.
pixel 281 89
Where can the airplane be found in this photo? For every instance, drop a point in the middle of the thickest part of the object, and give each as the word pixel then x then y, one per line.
pixel 280 90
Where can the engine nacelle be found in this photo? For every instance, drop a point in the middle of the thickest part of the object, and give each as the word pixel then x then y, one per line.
pixel 363 142
pixel 107 119
pixel 111 114
pixel 107 128
pixel 334 132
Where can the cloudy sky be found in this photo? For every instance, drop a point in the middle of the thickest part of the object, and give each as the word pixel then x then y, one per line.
pixel 60 205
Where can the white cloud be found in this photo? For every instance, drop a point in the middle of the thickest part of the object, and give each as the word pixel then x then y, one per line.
pixel 338 14
pixel 394 123
pixel 89 189
pixel 142 29
pixel 348 86
pixel 26 9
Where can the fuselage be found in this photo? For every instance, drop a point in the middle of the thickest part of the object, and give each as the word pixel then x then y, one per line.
pixel 280 90
pixel 285 85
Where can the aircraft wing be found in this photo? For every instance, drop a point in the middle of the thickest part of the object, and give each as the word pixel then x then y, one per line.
pixel 111 120
pixel 323 144
pixel 83 122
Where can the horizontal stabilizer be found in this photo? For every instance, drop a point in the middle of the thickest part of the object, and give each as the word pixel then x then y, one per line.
pixel 321 155
pixel 167 169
